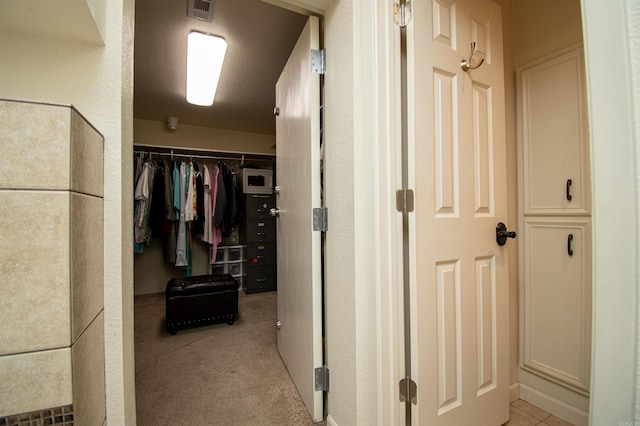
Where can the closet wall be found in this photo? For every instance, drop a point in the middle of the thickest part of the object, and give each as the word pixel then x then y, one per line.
pixel 541 29
pixel 156 133
pixel 150 272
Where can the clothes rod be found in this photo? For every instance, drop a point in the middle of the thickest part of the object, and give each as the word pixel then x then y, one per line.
pixel 169 152
pixel 206 157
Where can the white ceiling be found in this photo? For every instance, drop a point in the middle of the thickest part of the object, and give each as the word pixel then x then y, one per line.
pixel 259 38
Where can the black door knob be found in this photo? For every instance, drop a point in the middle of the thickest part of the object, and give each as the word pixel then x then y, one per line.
pixel 502 234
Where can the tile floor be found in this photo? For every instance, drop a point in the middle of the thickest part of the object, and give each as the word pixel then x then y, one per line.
pixel 521 413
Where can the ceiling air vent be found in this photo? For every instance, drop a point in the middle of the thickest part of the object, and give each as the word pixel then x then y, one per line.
pixel 201 10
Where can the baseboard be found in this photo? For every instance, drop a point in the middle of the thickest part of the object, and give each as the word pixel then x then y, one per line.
pixel 514 392
pixel 330 421
pixel 554 406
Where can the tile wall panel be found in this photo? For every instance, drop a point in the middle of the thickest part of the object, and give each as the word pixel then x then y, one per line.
pixel 35 381
pixel 35 146
pixel 88 375
pixel 35 286
pixel 87 291
pixel 86 157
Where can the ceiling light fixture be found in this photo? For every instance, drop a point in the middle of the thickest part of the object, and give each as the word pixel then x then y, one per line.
pixel 205 54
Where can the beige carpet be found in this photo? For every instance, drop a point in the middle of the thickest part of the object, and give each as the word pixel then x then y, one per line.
pixel 216 374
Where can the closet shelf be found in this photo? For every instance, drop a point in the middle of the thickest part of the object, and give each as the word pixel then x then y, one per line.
pixel 152 151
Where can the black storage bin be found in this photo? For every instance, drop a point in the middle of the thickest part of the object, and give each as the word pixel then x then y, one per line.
pixel 199 300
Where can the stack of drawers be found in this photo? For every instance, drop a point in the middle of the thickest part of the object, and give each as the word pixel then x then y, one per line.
pixel 229 260
pixel 260 236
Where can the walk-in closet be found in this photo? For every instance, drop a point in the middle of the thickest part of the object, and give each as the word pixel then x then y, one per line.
pixel 229 232
pixel 234 365
pixel 205 245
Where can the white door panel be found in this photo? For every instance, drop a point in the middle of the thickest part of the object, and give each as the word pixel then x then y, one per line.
pixel 298 176
pixel 458 169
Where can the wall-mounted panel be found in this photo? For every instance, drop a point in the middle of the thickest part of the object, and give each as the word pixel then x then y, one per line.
pixel 87 293
pixel 34 156
pixel 52 270
pixel 35 253
pixel 35 381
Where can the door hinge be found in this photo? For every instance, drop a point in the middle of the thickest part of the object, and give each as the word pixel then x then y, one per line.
pixel 320 219
pixel 408 391
pixel 404 200
pixel 402 13
pixel 319 61
pixel 322 378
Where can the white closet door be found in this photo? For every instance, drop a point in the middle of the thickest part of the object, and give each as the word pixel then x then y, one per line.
pixel 298 176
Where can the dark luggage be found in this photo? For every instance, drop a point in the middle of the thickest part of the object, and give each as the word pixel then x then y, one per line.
pixel 199 300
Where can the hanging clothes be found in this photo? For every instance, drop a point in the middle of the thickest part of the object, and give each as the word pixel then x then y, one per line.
pixel 197 226
pixel 207 233
pixel 221 200
pixel 143 197
pixel 141 193
pixel 137 170
pixel 168 191
pixel 216 204
pixel 190 211
pixel 181 249
pixel 189 208
pixel 168 228
pixel 170 245
pixel 232 211
pixel 176 190
pixel 157 213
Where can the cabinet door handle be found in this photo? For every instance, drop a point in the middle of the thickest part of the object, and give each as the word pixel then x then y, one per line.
pixel 569 250
pixel 568 190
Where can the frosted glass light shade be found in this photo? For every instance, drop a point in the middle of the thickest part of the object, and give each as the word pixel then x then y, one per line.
pixel 205 54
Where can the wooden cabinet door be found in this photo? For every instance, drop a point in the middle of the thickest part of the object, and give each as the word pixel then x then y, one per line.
pixel 554 136
pixel 556 300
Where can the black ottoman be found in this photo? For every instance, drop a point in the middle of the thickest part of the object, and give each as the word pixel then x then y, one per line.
pixel 201 299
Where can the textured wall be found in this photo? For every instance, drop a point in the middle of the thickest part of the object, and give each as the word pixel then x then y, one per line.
pixel 341 314
pixel 542 27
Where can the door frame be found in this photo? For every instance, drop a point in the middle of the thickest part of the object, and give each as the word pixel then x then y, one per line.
pixel 611 118
pixel 609 40
pixel 615 330
pixel 614 260
pixel 377 95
